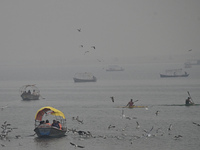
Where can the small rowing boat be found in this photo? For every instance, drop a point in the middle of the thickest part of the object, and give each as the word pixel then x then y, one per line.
pixel 133 106
pixel 29 92
pixel 180 105
pixel 46 129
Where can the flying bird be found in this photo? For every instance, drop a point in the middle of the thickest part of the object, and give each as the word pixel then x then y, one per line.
pixel 190 50
pixel 138 125
pixel 112 98
pixel 93 47
pixel 79 30
pixel 170 127
pixel 86 52
pixel 196 123
pixel 157 112
pixel 3 145
pixel 148 132
pixel 177 137
pixel 76 145
pixel 111 126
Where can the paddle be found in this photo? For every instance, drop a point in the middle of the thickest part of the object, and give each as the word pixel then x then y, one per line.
pixel 190 96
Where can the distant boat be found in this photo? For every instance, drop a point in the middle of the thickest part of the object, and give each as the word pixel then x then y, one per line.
pixel 43 129
pixel 174 73
pixel 30 92
pixel 84 77
pixel 115 68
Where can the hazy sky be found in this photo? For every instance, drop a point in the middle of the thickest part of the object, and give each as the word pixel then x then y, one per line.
pixel 44 32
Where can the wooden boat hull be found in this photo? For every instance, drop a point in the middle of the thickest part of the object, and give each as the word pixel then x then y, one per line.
pixel 169 76
pixel 30 97
pixel 49 132
pixel 85 80
pixel 114 69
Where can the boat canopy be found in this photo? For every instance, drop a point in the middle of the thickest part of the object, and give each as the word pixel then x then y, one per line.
pixel 32 88
pixel 48 110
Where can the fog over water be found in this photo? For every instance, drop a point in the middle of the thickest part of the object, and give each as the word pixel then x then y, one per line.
pixel 46 42
pixel 35 33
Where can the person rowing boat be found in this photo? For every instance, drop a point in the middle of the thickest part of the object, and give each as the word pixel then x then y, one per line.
pixel 188 101
pixel 131 103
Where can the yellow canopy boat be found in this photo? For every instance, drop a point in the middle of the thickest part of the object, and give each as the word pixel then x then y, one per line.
pixel 45 130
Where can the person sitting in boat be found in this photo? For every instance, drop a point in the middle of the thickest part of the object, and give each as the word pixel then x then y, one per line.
pixel 34 93
pixel 47 123
pixel 55 124
pixel 41 122
pixel 59 124
pixel 130 103
pixel 29 92
pixel 188 101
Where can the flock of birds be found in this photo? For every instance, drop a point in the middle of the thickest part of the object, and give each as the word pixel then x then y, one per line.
pixel 93 47
pixel 144 133
pixel 7 128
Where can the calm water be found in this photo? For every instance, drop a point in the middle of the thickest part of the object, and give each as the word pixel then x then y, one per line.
pixel 92 103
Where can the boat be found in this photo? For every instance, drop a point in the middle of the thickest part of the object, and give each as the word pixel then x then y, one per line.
pixel 45 130
pixel 29 92
pixel 180 105
pixel 84 77
pixel 115 68
pixel 134 106
pixel 174 73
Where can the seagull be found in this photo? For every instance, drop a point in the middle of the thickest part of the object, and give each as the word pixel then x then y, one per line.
pixel 3 145
pixel 86 52
pixel 18 136
pixel 79 30
pixel 196 123
pixel 170 127
pixel 93 47
pixel 138 126
pixel 157 112
pixel 148 132
pixel 177 137
pixel 80 121
pixel 76 145
pixel 129 118
pixel 111 126
pixel 112 98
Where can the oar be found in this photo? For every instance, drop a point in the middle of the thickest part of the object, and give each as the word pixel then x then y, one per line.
pixel 135 101
pixel 190 96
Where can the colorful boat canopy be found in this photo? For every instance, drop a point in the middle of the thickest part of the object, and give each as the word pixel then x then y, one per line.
pixel 48 110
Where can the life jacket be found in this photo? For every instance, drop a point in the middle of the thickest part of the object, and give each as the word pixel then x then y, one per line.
pixel 60 126
pixel 48 124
